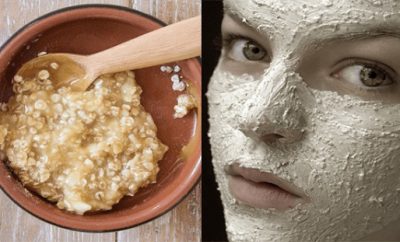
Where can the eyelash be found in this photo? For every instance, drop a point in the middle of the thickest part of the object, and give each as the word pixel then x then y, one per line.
pixel 229 38
pixel 230 43
pixel 352 61
pixel 363 62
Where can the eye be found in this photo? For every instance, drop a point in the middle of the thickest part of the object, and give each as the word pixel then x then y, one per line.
pixel 242 49
pixel 365 75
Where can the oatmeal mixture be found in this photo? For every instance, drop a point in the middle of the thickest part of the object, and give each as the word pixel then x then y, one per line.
pixel 185 102
pixel 81 150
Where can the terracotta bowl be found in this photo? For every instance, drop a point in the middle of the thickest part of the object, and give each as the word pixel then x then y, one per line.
pixel 84 30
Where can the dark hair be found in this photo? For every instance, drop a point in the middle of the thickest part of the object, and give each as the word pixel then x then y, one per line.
pixel 213 226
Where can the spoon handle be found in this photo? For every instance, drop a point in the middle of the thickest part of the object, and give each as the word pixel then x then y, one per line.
pixel 174 42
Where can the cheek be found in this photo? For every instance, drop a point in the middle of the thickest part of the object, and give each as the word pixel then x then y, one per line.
pixel 353 150
pixel 227 95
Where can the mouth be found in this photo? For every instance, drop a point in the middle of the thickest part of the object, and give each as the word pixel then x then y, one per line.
pixel 262 189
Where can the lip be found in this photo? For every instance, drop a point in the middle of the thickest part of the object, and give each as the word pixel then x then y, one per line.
pixel 262 189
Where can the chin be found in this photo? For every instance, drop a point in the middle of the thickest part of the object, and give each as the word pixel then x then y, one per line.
pixel 317 220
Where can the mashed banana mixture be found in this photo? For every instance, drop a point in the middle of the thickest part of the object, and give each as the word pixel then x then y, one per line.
pixel 82 150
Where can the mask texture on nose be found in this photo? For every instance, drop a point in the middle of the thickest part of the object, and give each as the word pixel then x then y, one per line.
pixel 276 106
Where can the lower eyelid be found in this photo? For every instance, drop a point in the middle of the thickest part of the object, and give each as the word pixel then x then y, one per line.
pixel 254 69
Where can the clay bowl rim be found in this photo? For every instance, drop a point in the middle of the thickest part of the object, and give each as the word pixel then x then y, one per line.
pixel 196 172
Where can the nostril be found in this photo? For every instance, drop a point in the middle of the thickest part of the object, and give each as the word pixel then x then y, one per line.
pixel 271 138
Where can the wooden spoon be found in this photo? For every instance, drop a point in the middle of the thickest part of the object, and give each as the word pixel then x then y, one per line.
pixel 174 42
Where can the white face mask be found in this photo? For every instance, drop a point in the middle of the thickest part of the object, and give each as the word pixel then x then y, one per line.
pixel 342 151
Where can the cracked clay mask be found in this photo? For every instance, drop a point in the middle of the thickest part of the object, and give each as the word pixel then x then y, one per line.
pixel 337 139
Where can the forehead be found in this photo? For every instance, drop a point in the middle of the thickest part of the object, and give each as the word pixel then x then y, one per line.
pixel 317 18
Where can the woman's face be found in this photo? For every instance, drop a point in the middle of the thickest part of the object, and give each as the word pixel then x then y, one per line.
pixel 305 119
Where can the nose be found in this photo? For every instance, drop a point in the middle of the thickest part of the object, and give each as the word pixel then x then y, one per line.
pixel 275 112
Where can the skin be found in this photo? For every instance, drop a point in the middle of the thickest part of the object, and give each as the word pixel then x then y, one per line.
pixel 303 113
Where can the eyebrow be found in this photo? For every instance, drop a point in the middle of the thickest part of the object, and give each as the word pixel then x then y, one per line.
pixel 239 19
pixel 246 25
pixel 372 33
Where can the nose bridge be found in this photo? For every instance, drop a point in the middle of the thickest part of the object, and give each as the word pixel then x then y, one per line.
pixel 275 108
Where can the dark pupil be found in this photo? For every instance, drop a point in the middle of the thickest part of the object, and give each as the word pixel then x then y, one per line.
pixel 372 74
pixel 372 77
pixel 256 50
pixel 253 52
